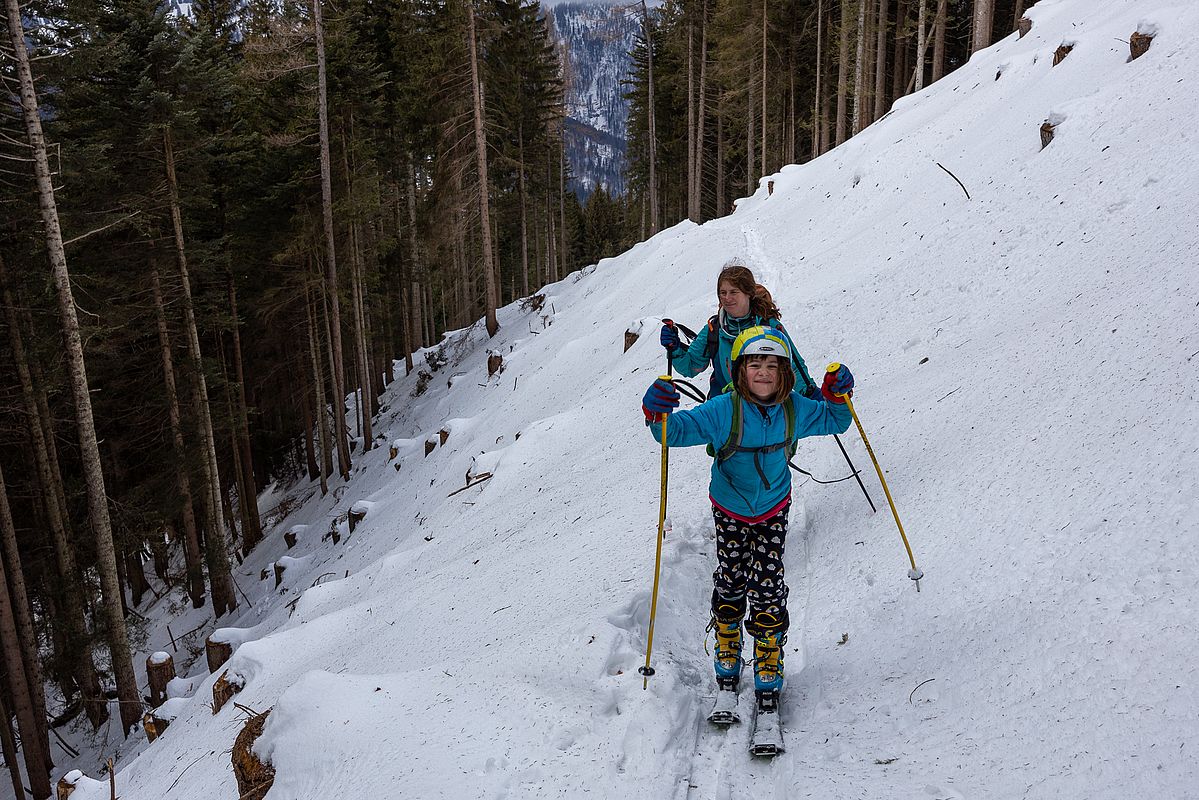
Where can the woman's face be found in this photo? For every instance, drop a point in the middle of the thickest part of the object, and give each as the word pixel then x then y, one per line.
pixel 762 375
pixel 734 301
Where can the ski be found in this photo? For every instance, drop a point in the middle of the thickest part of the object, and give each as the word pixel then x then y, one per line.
pixel 724 711
pixel 767 739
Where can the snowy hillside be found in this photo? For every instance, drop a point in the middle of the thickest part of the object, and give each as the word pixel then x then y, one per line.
pixel 597 39
pixel 1027 363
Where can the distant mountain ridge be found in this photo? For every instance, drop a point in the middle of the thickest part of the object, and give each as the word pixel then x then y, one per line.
pixel 597 38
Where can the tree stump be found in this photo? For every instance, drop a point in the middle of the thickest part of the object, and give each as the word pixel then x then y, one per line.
pixel 443 435
pixel 218 653
pixel 769 188
pixel 279 570
pixel 392 452
pixel 160 669
pixel 1138 45
pixel 66 784
pixel 290 539
pixel 254 778
pixel 355 517
pixel 154 726
pixel 1059 55
pixel 262 575
pixel 1024 26
pixel 1047 134
pixel 630 339
pixel 495 363
pixel 430 446
pixel 224 689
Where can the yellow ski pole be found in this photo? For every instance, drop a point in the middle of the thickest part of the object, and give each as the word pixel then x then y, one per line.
pixel 914 573
pixel 647 670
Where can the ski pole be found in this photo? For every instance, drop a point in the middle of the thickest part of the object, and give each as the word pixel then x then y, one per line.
pixel 646 671
pixel 914 573
pixel 857 475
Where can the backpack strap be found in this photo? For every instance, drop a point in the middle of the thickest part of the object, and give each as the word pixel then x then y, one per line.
pixel 792 442
pixel 713 343
pixel 733 443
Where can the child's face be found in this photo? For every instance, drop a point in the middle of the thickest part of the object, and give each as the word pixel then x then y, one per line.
pixel 734 301
pixel 762 375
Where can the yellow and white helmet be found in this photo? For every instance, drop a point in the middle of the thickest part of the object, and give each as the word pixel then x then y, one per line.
pixel 760 341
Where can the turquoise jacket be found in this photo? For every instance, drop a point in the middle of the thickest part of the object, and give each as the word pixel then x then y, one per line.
pixel 694 359
pixel 736 485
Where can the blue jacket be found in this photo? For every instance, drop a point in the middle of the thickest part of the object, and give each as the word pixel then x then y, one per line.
pixel 736 485
pixel 694 360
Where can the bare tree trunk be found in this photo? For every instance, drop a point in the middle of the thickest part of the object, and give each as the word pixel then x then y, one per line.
pixel 416 338
pixel 939 40
pixel 654 217
pixel 819 93
pixel 191 537
pixel 843 70
pixel 920 42
pixel 720 187
pixel 551 251
pixel 1019 12
pixel 524 217
pixel 751 160
pixel 318 383
pixel 859 63
pixel 73 347
pixel 899 51
pixel 26 634
pixel 247 487
pixel 8 744
pixel 405 327
pixel 223 597
pixel 880 61
pixel 33 744
pixel 984 17
pixel 54 499
pixel 691 215
pixel 358 308
pixel 493 324
pixel 562 261
pixel 701 115
pixel 331 285
pixel 762 88
pixel 314 470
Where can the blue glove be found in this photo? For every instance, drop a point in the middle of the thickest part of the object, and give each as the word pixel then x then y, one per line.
pixel 670 338
pixel 660 399
pixel 838 380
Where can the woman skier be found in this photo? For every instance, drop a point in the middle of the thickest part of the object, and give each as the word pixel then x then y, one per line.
pixel 752 430
pixel 744 303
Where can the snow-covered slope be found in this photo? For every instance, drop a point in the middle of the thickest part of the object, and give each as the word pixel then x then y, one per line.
pixel 1027 363
pixel 597 39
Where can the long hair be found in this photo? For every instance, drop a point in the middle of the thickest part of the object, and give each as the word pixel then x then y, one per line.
pixel 741 278
pixel 786 381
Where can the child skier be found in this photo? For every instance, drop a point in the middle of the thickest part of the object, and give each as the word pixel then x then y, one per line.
pixel 744 304
pixel 752 430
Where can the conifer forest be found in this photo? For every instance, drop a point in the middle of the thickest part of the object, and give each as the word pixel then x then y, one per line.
pixel 221 220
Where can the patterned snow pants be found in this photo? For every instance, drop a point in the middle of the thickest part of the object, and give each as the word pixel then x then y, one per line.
pixel 749 573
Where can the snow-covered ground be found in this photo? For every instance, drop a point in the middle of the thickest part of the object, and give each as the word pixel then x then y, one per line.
pixel 1026 363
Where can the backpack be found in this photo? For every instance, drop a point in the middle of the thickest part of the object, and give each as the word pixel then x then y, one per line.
pixel 732 445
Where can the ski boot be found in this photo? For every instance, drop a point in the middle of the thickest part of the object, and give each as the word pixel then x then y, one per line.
pixel 727 662
pixel 768 662
pixel 767 738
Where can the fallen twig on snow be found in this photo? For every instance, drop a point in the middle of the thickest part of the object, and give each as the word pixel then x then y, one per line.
pixel 955 177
